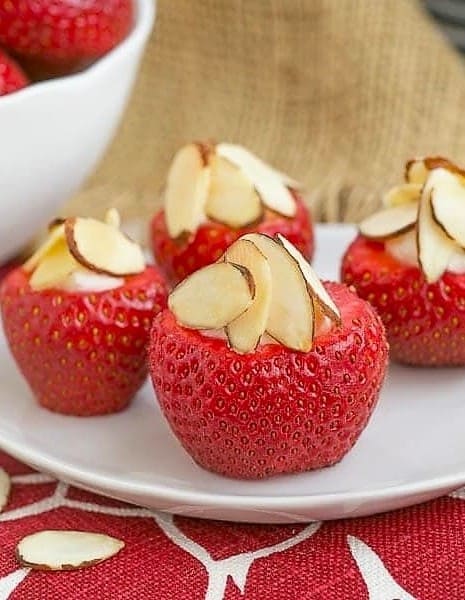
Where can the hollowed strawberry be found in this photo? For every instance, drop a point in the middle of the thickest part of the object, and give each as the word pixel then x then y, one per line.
pixel 82 353
pixel 251 410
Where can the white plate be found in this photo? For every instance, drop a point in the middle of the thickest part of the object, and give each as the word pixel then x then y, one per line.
pixel 412 450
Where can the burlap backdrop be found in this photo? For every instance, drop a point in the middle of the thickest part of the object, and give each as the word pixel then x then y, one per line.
pixel 336 92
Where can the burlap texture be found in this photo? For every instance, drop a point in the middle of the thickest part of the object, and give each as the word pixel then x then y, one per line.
pixel 335 92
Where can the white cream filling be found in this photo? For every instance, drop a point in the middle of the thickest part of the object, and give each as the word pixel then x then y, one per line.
pixel 220 334
pixel 457 262
pixel 84 280
pixel 404 249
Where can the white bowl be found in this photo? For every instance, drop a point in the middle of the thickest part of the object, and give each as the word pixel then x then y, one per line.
pixel 53 133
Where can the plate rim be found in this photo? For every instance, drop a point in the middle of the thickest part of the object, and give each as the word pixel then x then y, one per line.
pixel 309 501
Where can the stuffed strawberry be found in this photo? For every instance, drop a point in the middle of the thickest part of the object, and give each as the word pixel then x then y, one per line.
pixel 409 262
pixel 260 369
pixel 12 77
pixel 57 31
pixel 214 194
pixel 77 315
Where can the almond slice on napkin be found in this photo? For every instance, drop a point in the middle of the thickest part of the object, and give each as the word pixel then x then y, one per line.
pixel 51 550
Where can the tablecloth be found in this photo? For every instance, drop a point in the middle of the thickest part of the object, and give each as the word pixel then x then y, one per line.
pixel 417 552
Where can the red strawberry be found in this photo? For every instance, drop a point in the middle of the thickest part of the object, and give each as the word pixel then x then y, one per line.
pixel 12 77
pixel 64 30
pixel 82 353
pixel 425 323
pixel 275 410
pixel 181 257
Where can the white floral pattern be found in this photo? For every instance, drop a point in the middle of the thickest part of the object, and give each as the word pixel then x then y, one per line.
pixel 218 571
pixel 380 583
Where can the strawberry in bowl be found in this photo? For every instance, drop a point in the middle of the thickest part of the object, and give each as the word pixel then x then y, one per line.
pixel 77 314
pixel 408 261
pixel 214 194
pixel 261 369
pixel 64 32
pixel 12 77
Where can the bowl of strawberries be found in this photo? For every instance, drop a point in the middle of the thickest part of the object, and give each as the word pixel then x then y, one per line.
pixel 66 72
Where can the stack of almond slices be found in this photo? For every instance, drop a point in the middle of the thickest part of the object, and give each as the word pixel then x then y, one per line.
pixel 224 183
pixel 424 219
pixel 79 247
pixel 261 285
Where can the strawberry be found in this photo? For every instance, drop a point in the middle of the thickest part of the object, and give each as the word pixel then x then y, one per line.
pixel 12 77
pixel 82 353
pixel 425 322
pixel 274 410
pixel 58 31
pixel 181 257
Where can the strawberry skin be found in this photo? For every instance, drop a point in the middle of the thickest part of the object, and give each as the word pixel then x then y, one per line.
pixel 12 77
pixel 275 410
pixel 181 257
pixel 82 353
pixel 425 323
pixel 64 30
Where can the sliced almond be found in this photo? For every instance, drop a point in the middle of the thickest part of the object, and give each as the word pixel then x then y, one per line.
pixel 273 192
pixel 112 217
pixel 54 267
pixel 5 487
pixel 389 222
pixel 288 181
pixel 316 288
pixel 56 222
pixel 56 234
pixel 435 249
pixel 213 296
pixel 448 205
pixel 244 333
pixel 402 194
pixel 417 170
pixel 102 248
pixel 438 162
pixel 66 550
pixel 232 198
pixel 291 317
pixel 187 188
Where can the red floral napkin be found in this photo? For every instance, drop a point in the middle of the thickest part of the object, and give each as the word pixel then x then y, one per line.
pixel 412 553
